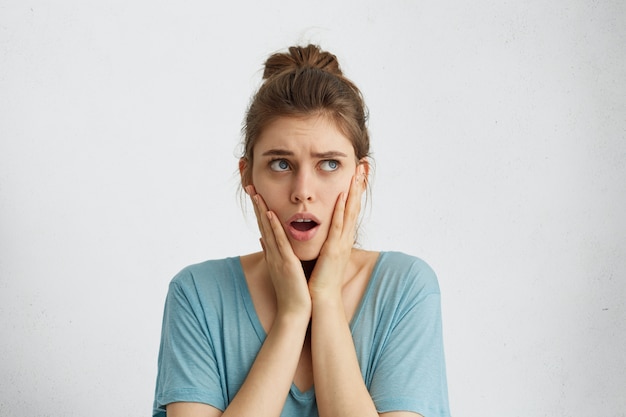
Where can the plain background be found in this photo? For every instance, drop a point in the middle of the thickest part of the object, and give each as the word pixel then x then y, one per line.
pixel 499 135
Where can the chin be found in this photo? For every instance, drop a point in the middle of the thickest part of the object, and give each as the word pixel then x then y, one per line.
pixel 307 254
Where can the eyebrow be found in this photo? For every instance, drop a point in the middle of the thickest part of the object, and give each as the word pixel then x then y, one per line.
pixel 322 155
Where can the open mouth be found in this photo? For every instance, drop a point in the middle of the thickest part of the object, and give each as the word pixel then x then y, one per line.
pixel 303 225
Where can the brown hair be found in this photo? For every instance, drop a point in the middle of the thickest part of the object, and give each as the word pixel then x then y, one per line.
pixel 302 82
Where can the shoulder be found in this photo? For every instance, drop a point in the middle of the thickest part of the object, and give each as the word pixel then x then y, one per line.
pixel 206 289
pixel 402 259
pixel 405 273
pixel 210 269
pixel 208 278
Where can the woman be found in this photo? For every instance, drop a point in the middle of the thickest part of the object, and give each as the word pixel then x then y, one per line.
pixel 310 325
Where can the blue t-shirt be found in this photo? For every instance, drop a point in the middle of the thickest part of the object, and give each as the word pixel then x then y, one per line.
pixel 211 335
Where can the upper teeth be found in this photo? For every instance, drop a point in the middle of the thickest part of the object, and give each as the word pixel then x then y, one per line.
pixel 303 220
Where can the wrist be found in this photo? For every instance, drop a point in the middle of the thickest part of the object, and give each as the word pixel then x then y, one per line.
pixel 327 302
pixel 292 319
pixel 325 293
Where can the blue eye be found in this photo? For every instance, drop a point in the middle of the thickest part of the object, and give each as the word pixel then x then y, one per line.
pixel 279 165
pixel 329 165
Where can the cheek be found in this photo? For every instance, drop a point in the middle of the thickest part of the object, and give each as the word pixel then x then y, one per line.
pixel 331 196
pixel 272 195
pixel 268 193
pixel 345 185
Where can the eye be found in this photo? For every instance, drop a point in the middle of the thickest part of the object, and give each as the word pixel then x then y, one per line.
pixel 279 165
pixel 329 165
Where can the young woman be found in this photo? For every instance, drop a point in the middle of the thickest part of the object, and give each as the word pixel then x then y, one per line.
pixel 310 325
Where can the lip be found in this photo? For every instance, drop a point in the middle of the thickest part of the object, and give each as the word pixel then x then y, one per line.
pixel 300 235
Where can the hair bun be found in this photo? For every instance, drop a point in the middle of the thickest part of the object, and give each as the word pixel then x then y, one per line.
pixel 300 57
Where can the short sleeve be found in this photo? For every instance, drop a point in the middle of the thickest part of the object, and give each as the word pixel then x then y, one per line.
pixel 410 374
pixel 187 364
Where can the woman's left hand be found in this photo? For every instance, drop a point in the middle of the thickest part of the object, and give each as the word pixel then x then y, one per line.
pixel 327 278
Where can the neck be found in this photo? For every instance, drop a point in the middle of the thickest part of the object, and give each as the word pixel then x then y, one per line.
pixel 307 267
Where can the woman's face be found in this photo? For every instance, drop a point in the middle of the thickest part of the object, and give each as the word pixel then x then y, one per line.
pixel 300 167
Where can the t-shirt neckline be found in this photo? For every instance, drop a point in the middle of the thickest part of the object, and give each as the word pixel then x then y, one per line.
pixel 260 331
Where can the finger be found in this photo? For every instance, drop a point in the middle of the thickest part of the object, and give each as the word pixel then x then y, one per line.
pixel 257 213
pixel 353 206
pixel 262 244
pixel 280 237
pixel 260 208
pixel 265 227
pixel 336 225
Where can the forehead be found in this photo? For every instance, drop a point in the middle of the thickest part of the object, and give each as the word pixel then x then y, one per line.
pixel 303 135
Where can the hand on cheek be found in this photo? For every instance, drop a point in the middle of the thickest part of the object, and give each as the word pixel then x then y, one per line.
pixel 328 275
pixel 283 265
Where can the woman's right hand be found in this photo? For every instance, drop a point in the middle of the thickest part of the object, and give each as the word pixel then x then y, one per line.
pixel 285 269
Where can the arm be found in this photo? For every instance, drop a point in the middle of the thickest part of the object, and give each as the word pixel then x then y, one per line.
pixel 269 380
pixel 267 385
pixel 276 362
pixel 339 386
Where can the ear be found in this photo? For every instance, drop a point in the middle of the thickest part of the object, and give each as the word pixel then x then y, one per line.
pixel 363 168
pixel 244 172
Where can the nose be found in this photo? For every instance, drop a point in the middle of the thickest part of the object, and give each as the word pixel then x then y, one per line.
pixel 302 189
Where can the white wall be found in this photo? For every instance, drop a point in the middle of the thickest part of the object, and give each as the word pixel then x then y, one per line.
pixel 499 133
